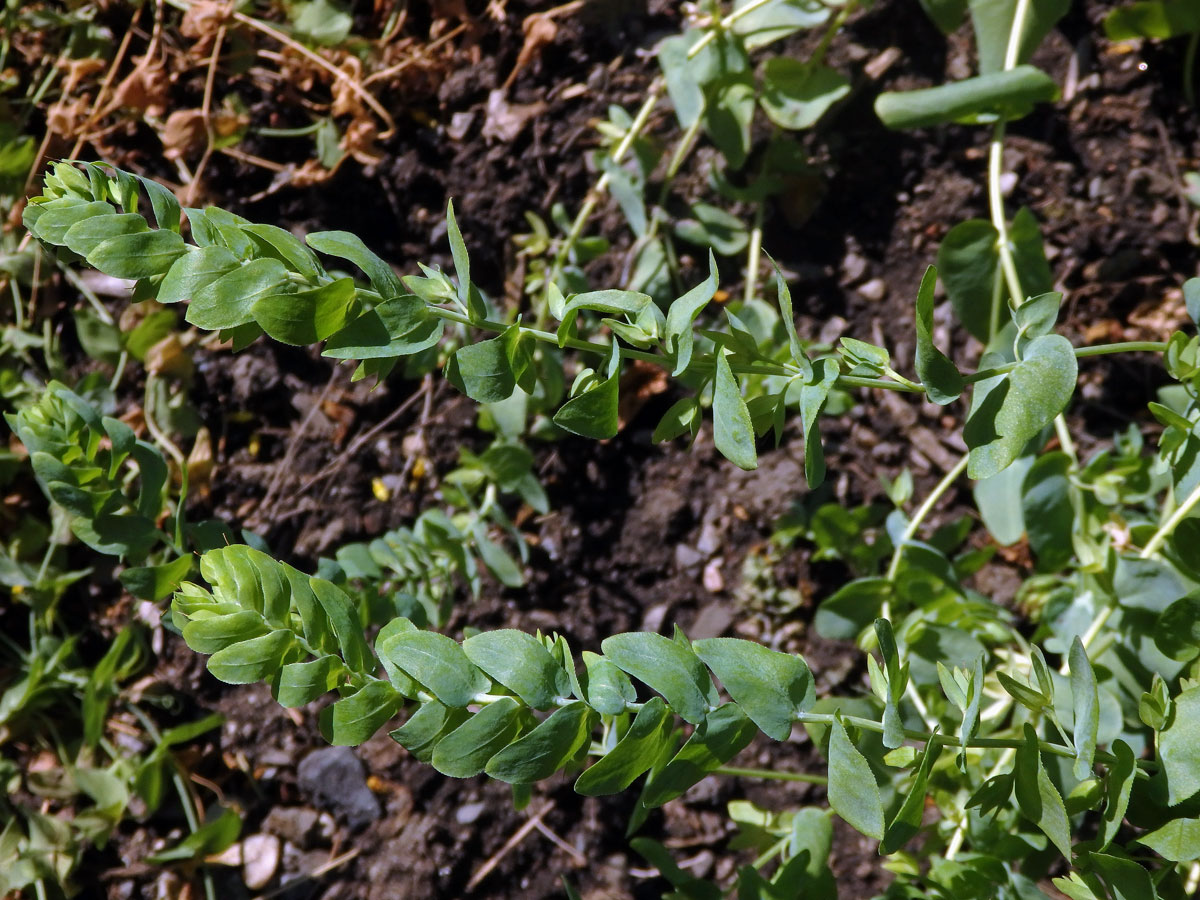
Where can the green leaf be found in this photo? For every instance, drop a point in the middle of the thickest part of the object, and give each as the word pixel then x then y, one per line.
pixel 1010 410
pixel 668 667
pixel 1118 783
pixel 993 22
pixel 728 116
pixel 1179 747
pixel 1177 841
pixel 426 727
pixel 683 416
pixel 722 736
pixel 162 202
pixel 194 271
pixel 907 822
pixel 228 301
pixel 796 94
pixel 984 99
pixel 711 226
pixel 543 751
pixel 1085 700
pixel 680 74
pixel 343 620
pixel 776 20
pixel 305 317
pixel 946 14
pixel 733 431
pixel 1124 878
pixel 55 219
pixel 595 412
pixel 249 661
pixel 303 682
pixel 635 752
pixel 87 234
pixel 462 263
pixel 853 792
pixel 465 751
pixel 345 245
pixel 354 719
pixel 608 688
pixel 204 841
pixel 521 663
pixel 943 383
pixel 812 402
pixel 1047 511
pixel 682 313
pixel 852 608
pixel 287 248
pixel 213 633
pixel 1177 631
pixel 770 687
pixel 154 583
pixel 141 255
pixel 1158 19
pixel 482 371
pixel 1037 796
pixel 612 302
pixel 399 326
pixel 438 663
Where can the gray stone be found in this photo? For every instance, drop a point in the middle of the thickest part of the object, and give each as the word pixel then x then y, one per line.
pixel 295 824
pixel 334 776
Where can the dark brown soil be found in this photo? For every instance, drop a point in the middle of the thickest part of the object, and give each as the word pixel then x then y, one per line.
pixel 640 536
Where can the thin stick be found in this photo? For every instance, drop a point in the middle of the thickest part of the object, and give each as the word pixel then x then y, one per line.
pixel 517 836
pixel 367 96
pixel 206 115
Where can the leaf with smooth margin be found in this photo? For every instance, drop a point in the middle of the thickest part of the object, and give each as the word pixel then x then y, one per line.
pixel 784 295
pixel 287 248
pixel 943 382
pixel 87 234
pixel 162 202
pixel 1179 747
pixel 999 501
pixel 608 689
pixel 305 317
pixel 440 664
pixel 683 416
pixel 1177 841
pixel 946 14
pixel 547 748
pixel 733 430
pixel 609 302
pixel 249 661
pixel 1118 783
pixel 679 337
pixel 398 326
pixel 906 824
pixel 354 719
pixel 1157 19
pixel 635 752
pixel 595 413
pixel 55 219
pixel 853 792
pixel 350 247
pixel 796 93
pixel 465 751
pixel 462 261
pixel 229 300
pixel 1037 797
pixel 1191 299
pixel 679 72
pixel 1177 630
pixel 1038 315
pixel 212 633
pixel 1009 411
pixel 140 255
pixel 984 99
pixel 1047 511
pixel 776 20
pixel 667 667
pixel 194 271
pixel 301 683
pixel 482 371
pixel 1085 700
pixel 771 687
pixel 519 662
pixel 993 22
pixel 722 736
pixel 812 401
pixel 728 116
pixel 426 727
pixel 153 583
pixel 852 607
pixel 342 617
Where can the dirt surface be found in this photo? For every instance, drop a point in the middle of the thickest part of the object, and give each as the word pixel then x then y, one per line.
pixel 640 536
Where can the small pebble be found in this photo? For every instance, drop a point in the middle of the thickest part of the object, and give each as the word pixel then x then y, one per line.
pixel 260 855
pixel 468 813
pixel 713 580
pixel 874 290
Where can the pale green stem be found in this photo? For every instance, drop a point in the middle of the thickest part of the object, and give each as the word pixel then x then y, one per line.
pixel 1166 529
pixel 754 255
pixel 925 509
pixel 770 775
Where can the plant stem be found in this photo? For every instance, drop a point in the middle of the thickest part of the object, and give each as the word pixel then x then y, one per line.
pixel 1189 70
pixel 1080 353
pixel 919 516
pixel 770 775
pixel 754 255
pixel 1169 526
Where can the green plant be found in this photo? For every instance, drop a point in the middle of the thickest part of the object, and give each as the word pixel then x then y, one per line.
pixel 1055 740
pixel 1159 20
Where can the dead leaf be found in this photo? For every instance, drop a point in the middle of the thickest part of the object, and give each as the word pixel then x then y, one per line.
pixel 540 30
pixel 507 120
pixel 145 89
pixel 183 134
pixel 200 463
pixel 204 18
